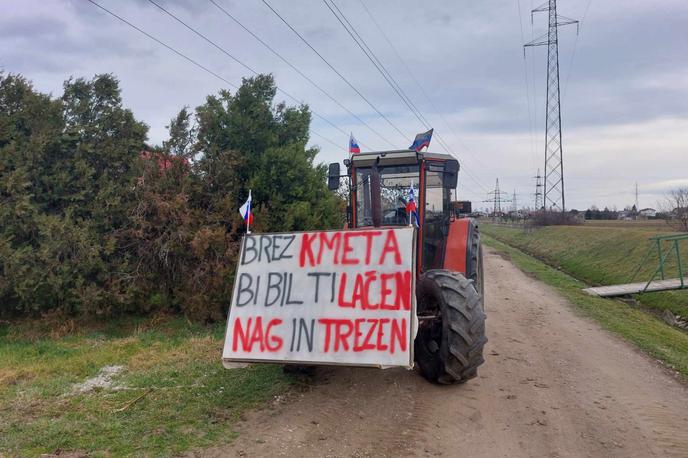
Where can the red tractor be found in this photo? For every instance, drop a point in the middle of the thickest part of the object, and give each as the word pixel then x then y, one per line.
pixel 449 344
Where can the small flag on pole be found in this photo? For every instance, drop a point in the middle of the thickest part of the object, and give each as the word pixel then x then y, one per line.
pixel 353 145
pixel 411 208
pixel 247 213
pixel 421 141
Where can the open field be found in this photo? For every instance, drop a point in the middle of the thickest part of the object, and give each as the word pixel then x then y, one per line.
pixel 599 255
pixel 145 387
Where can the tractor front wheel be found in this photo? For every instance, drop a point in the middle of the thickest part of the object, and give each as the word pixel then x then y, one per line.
pixel 451 331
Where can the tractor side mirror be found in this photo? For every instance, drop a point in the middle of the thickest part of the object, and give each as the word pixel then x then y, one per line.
pixel 450 177
pixel 333 176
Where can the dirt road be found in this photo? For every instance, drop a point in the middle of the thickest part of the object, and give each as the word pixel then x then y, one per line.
pixel 554 384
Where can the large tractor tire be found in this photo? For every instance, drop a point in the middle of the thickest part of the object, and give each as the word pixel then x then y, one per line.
pixel 451 332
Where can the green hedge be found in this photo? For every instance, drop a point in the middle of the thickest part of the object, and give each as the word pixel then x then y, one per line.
pixel 95 221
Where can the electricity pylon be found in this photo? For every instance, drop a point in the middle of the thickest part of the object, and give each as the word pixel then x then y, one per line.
pixel 514 203
pixel 538 191
pixel 497 197
pixel 554 157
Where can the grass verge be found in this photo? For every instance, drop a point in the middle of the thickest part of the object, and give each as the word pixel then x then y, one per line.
pixel 648 333
pixel 600 256
pixel 170 392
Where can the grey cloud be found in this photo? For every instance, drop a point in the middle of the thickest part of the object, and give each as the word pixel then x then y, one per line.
pixel 35 27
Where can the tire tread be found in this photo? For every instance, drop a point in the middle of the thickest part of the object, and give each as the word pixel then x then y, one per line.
pixel 464 336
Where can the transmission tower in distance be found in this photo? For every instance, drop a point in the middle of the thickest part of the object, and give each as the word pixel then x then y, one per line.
pixel 553 196
pixel 514 203
pixel 538 191
pixel 496 199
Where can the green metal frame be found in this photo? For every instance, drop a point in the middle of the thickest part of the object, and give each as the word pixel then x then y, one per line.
pixel 658 241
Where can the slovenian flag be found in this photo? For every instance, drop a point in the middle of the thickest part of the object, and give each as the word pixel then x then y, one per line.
pixel 245 211
pixel 411 209
pixel 353 145
pixel 421 141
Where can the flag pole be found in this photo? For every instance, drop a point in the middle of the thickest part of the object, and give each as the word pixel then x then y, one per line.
pixel 409 213
pixel 248 215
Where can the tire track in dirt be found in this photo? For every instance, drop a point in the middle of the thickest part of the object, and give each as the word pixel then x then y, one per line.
pixel 554 384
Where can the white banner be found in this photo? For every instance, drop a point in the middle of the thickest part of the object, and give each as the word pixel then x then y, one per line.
pixel 329 297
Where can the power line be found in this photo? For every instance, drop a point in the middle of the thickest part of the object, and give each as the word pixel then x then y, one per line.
pixel 370 54
pixel 531 124
pixel 328 140
pixel 533 73
pixel 345 79
pixel 165 45
pixel 297 70
pixel 575 46
pixel 416 81
pixel 189 59
pixel 202 67
pixel 224 51
pixel 351 30
pixel 388 76
pixel 342 77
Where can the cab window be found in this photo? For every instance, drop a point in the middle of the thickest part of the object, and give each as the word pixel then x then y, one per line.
pixel 436 217
pixel 395 188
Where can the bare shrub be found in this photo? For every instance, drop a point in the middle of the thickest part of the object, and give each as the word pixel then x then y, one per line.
pixel 676 208
pixel 550 218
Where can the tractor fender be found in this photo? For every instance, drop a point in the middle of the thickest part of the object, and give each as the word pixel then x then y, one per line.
pixel 459 252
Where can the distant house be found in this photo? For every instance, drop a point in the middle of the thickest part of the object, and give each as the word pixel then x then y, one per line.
pixel 163 161
pixel 626 215
pixel 648 213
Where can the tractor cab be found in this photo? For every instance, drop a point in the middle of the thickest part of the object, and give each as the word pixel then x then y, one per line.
pixel 381 185
pixel 448 347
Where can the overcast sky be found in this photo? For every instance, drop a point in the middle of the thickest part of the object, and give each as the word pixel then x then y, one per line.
pixel 624 90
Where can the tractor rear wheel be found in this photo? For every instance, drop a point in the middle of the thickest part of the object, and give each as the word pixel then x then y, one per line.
pixel 474 258
pixel 451 332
